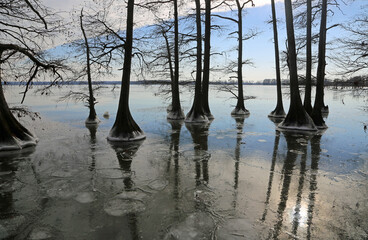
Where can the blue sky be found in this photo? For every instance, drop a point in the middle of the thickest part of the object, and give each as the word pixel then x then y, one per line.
pixel 260 50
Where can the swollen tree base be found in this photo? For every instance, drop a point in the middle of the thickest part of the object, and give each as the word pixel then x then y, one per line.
pixel 18 144
pixel 13 135
pixel 325 109
pixel 127 137
pixel 298 121
pixel 209 115
pixel 175 114
pixel 193 117
pixel 125 129
pixel 239 112
pixel 277 113
pixel 92 121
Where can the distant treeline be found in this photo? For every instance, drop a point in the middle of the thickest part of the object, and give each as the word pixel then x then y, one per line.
pixel 143 82
pixel 357 81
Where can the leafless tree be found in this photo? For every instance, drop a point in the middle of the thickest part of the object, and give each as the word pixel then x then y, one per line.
pixel 239 5
pixel 297 118
pixel 25 27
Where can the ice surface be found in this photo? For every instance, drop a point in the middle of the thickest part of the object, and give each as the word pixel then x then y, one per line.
pixel 198 225
pixel 132 195
pixel 237 229
pixel 119 207
pixel 3 232
pixel 40 233
pixel 158 184
pixel 9 226
pixel 85 197
pixel 61 189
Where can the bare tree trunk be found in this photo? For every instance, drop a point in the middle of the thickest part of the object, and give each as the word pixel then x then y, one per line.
pixel 318 101
pixel 297 118
pixel 240 108
pixel 13 135
pixel 278 112
pixel 172 77
pixel 206 61
pixel 308 74
pixel 92 117
pixel 196 113
pixel 125 128
pixel 176 113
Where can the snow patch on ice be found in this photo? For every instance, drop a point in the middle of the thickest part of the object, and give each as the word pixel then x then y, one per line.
pixel 196 226
pixel 119 207
pixel 85 197
pixel 40 233
pixel 158 184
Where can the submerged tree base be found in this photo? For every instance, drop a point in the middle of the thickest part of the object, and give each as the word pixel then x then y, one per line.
pixel 196 117
pixel 18 144
pixel 325 109
pixel 305 126
pixel 240 112
pixel 127 137
pixel 93 121
pixel 175 115
pixel 277 113
pixel 209 116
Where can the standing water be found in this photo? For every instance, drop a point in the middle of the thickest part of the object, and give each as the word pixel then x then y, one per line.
pixel 234 178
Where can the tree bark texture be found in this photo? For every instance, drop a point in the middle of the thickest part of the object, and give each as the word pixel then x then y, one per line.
pixel 176 113
pixel 308 74
pixel 125 128
pixel 240 103
pixel 297 118
pixel 318 101
pixel 196 113
pixel 278 112
pixel 13 135
pixel 206 61
pixel 92 117
pixel 240 108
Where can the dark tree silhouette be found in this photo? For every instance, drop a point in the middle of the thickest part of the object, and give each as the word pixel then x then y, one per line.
pixel 240 107
pixel 353 55
pixel 24 26
pixel 308 73
pixel 206 61
pixel 278 112
pixel 125 128
pixel 196 113
pixel 176 111
pixel 318 102
pixel 92 117
pixel 297 118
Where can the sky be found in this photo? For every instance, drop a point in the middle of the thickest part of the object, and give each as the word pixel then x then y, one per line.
pixel 260 50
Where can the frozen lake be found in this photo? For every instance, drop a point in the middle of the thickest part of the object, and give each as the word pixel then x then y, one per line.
pixel 230 179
